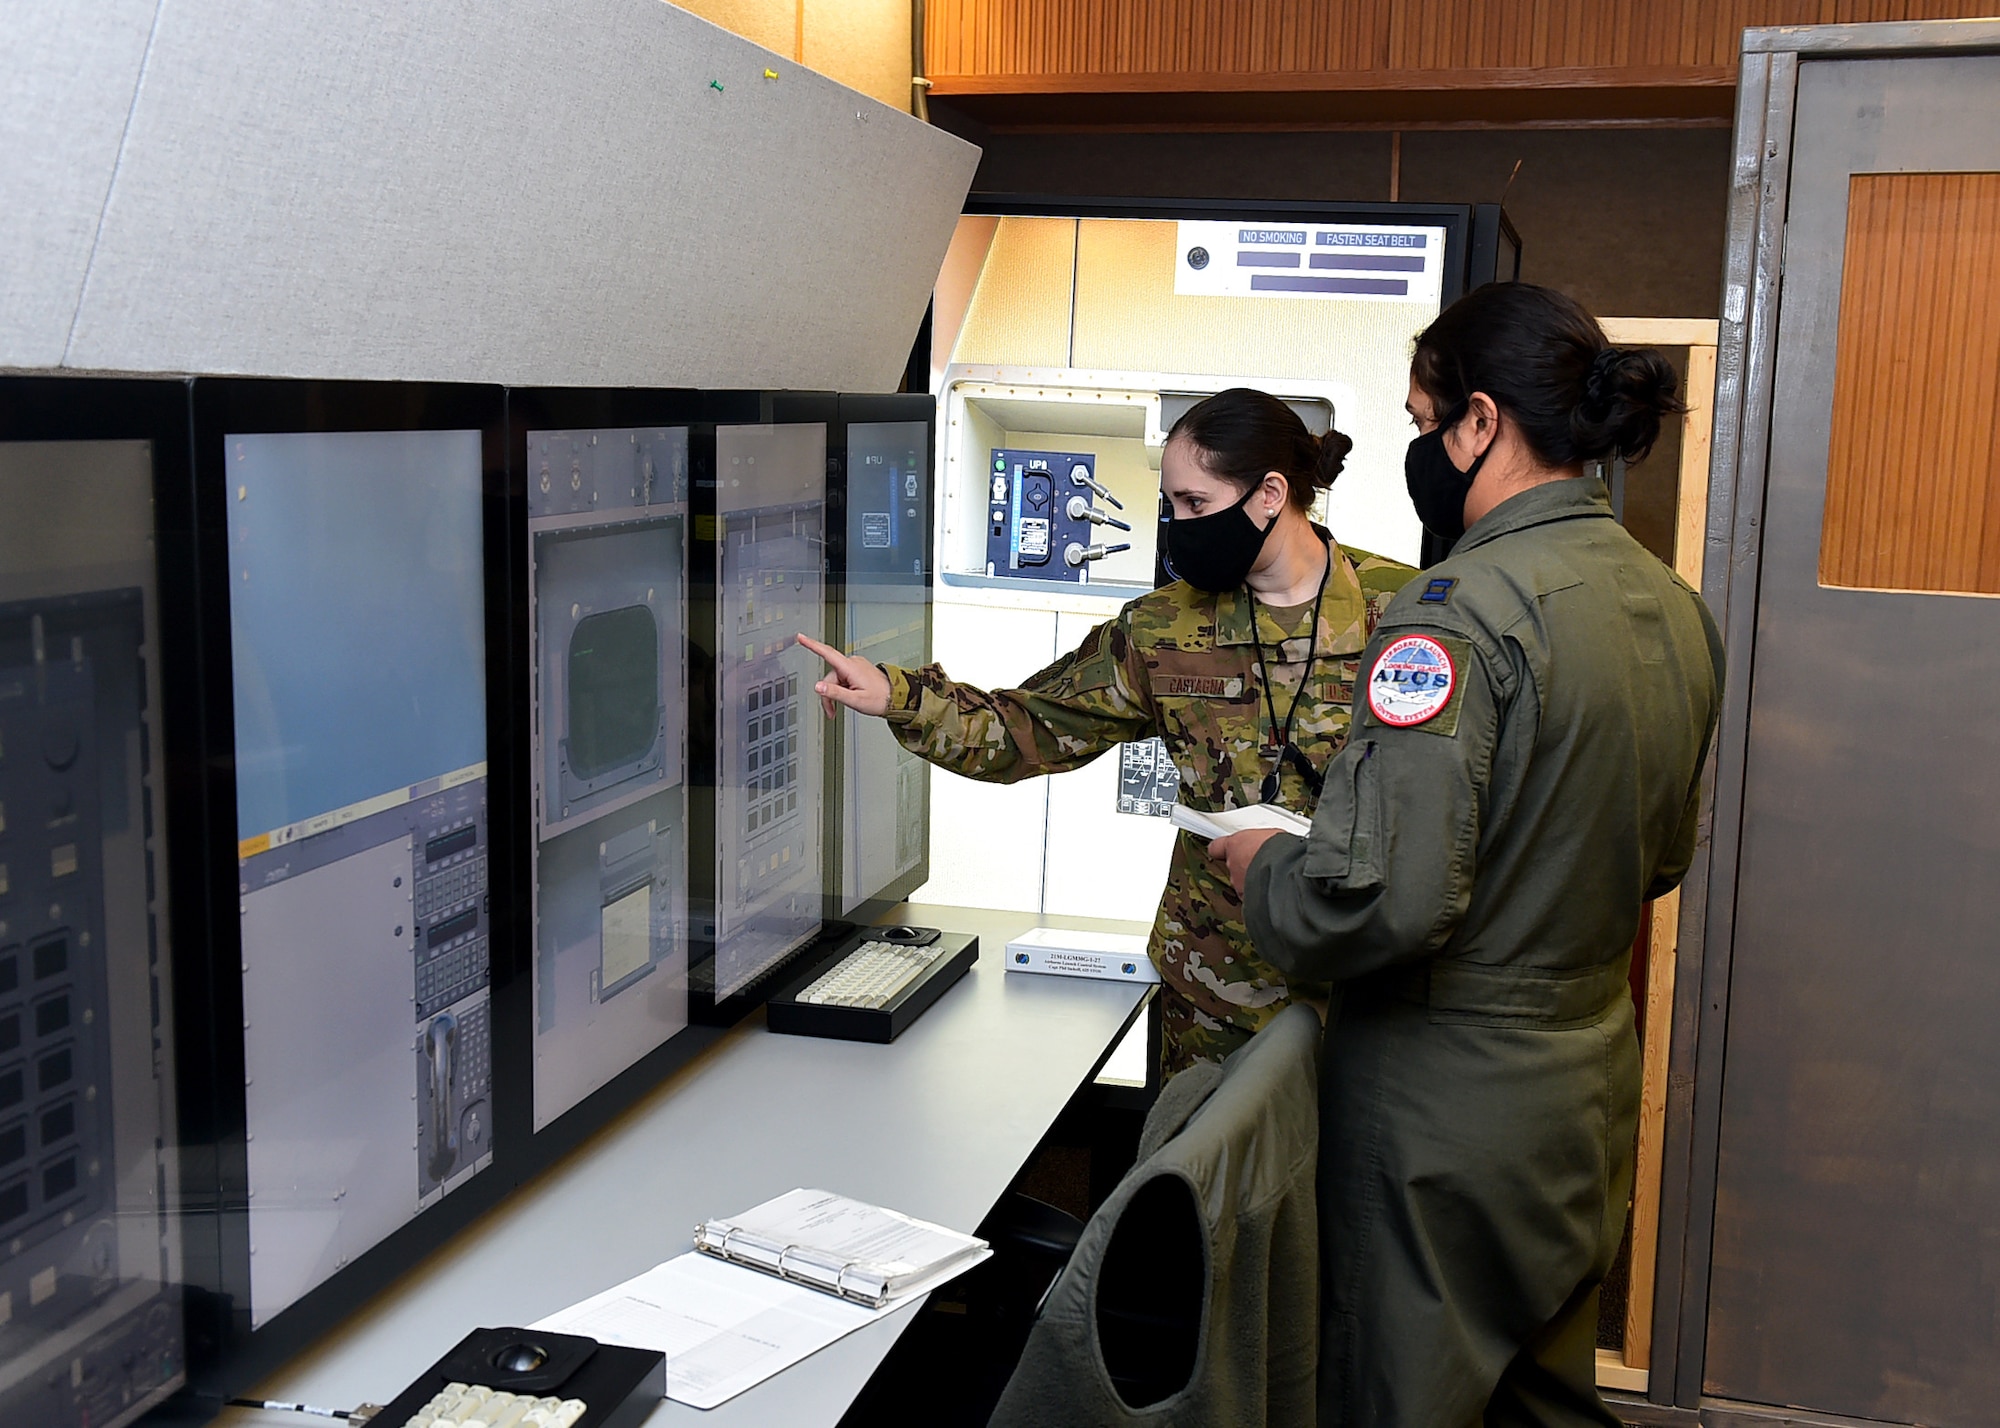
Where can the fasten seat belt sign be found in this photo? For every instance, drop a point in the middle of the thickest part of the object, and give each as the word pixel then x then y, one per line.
pixel 1344 262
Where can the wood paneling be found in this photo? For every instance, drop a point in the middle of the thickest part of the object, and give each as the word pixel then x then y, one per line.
pixel 1349 40
pixel 1263 50
pixel 1913 463
pixel 1662 931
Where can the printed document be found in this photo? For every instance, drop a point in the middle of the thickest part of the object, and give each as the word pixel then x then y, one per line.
pixel 1236 820
pixel 723 1329
pixel 728 1324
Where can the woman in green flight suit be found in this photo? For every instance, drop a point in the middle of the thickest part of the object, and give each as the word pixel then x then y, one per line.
pixel 1244 665
pixel 1522 776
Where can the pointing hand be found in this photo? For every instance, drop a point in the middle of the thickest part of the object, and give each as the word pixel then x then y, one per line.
pixel 857 683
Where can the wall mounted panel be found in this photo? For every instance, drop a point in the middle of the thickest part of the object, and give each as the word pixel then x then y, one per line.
pixel 72 67
pixel 607 192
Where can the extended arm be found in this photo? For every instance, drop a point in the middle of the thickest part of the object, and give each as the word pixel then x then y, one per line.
pixel 1065 716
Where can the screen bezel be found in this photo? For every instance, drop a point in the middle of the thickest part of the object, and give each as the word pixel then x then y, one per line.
pixel 222 407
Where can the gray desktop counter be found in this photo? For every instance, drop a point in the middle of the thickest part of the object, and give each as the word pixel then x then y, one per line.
pixel 936 1124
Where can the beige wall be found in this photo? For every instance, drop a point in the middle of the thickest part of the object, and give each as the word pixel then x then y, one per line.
pixel 864 44
pixel 1098 295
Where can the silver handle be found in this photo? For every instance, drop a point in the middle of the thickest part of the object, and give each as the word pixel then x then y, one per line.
pixel 1080 476
pixel 1080 509
pixel 1076 553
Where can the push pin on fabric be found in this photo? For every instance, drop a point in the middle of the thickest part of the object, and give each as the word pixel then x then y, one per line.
pixel 770 74
pixel 716 85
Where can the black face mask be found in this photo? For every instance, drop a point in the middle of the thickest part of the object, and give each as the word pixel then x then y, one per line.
pixel 1437 487
pixel 1214 552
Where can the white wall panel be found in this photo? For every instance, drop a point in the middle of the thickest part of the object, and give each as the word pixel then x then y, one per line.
pixel 987 838
pixel 1100 862
pixel 72 67
pixel 517 191
pixel 1055 844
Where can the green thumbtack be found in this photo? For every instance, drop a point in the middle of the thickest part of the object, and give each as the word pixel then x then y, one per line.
pixel 716 85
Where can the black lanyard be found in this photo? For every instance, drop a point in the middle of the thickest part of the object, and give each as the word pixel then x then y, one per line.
pixel 1288 752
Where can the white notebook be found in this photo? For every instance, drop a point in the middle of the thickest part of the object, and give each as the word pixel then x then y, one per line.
pixel 724 1328
pixel 1236 820
pixel 840 1246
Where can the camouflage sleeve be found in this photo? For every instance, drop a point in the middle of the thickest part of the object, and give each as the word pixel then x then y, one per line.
pixel 1084 703
pixel 1380 579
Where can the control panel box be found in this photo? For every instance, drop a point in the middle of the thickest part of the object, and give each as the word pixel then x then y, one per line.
pixel 1041 515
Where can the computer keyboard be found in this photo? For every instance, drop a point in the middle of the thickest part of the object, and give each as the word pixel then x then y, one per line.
pixel 461 1405
pixel 872 988
pixel 871 974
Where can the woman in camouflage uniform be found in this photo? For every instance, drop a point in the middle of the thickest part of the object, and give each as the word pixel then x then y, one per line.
pixel 1245 666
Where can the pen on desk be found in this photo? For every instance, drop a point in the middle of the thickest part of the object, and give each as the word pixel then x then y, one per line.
pixel 346 1415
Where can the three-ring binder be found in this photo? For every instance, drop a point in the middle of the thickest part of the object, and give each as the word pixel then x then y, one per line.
pixel 769 1257
pixel 862 1253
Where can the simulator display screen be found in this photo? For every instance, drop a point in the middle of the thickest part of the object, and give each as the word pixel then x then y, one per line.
pixel 770 774
pixel 357 631
pixel 90 1251
pixel 607 534
pixel 885 812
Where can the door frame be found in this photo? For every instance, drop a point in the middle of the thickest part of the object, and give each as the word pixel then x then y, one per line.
pixel 1628 1368
pixel 1730 566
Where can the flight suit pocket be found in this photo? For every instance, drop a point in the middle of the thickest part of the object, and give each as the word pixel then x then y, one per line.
pixel 1346 845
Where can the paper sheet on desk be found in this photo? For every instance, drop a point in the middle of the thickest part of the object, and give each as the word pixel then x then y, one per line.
pixel 723 1328
pixel 1235 820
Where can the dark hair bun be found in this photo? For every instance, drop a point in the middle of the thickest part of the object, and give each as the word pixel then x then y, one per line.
pixel 1544 361
pixel 1242 435
pixel 1333 449
pixel 1626 394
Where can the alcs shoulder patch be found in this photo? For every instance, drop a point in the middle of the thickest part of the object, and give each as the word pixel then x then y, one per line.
pixel 1415 681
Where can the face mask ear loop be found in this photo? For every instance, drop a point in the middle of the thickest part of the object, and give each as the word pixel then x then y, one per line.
pixel 1458 414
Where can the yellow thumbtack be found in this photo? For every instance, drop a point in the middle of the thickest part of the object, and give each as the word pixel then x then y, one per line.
pixel 770 74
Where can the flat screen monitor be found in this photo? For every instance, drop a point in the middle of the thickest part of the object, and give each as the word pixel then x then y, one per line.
pixel 607 536
pixel 770 510
pixel 94 1256
pixel 883 810
pixel 356 601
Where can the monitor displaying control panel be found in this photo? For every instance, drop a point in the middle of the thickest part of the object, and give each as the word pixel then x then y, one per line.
pixel 884 812
pixel 357 655
pixel 608 589
pixel 92 1257
pixel 770 504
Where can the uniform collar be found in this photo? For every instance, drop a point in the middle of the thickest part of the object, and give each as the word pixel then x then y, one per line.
pixel 1564 500
pixel 1343 615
